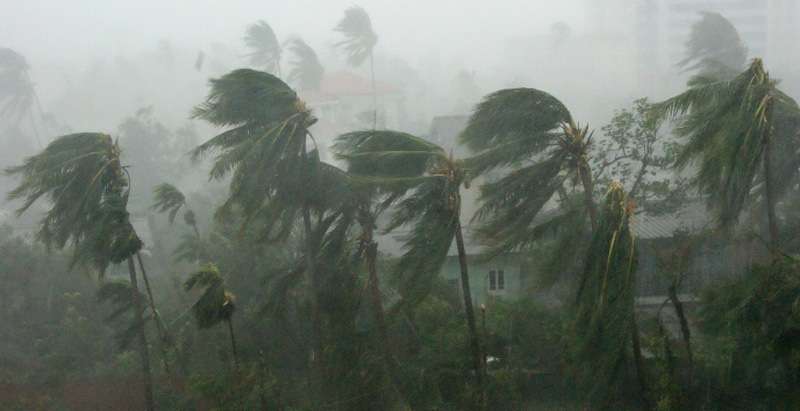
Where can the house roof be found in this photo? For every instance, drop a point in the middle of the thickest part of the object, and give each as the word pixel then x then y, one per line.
pixel 691 218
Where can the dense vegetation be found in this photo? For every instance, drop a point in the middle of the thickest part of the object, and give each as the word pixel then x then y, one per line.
pixel 270 292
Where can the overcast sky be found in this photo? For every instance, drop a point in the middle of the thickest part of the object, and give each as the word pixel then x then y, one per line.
pixel 48 29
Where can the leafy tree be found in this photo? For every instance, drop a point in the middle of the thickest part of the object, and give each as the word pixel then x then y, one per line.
pixel 216 304
pixel 82 176
pixel 532 135
pixel 731 127
pixel 637 153
pixel 306 70
pixel 359 44
pixel 604 304
pixel 400 162
pixel 266 50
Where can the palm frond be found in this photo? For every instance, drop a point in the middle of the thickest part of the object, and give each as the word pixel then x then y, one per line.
pixel 511 115
pixel 714 47
pixel 359 37
pixel 215 304
pixel 81 176
pixel 168 199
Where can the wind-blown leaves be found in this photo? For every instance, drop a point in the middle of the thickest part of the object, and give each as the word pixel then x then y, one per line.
pixel 725 123
pixel 265 150
pixel 527 117
pixel 215 304
pixel 714 47
pixel 306 71
pixel 81 175
pixel 604 316
pixel 359 37
pixel 265 48
pixel 168 199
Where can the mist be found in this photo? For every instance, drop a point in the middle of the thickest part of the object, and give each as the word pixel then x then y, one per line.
pixel 418 205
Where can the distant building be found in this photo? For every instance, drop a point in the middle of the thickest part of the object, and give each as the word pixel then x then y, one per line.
pixel 661 28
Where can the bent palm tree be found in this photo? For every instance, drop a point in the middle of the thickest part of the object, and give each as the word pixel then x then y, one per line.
pixel 398 162
pixel 534 135
pixel 306 70
pixel 16 89
pixel 81 175
pixel 168 199
pixel 604 317
pixel 731 127
pixel 359 43
pixel 266 50
pixel 215 305
pixel 714 48
pixel 275 178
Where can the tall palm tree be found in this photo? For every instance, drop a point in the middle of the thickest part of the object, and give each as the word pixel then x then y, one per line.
pixel 731 127
pixel 399 162
pixel 17 92
pixel 604 303
pixel 714 48
pixel 531 135
pixel 359 44
pixel 266 50
pixel 215 305
pixel 275 177
pixel 82 177
pixel 306 71
pixel 169 199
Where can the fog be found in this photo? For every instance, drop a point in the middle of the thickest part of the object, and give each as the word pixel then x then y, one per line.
pixel 399 205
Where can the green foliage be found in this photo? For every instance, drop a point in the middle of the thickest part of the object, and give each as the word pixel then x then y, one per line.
pixel 635 152
pixel 265 48
pixel 725 124
pixel 81 175
pixel 168 199
pixel 604 304
pixel 359 37
pixel 215 304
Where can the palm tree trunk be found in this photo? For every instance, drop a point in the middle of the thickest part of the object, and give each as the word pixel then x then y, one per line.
pixel 318 372
pixel 374 92
pixel 162 331
pixel 638 361
pixel 143 350
pixel 233 345
pixel 772 219
pixel 477 355
pixel 588 190
pixel 386 346
pixel 686 333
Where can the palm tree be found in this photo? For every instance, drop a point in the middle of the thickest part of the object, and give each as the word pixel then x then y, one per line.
pixel 266 50
pixel 533 135
pixel 306 70
pixel 169 199
pixel 731 127
pixel 17 92
pixel 275 178
pixel 359 43
pixel 82 177
pixel 604 304
pixel 714 48
pixel 398 163
pixel 215 305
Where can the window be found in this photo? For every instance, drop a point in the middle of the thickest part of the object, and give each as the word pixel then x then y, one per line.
pixel 492 280
pixel 501 280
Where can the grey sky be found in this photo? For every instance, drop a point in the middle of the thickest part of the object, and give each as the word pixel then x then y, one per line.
pixel 47 29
